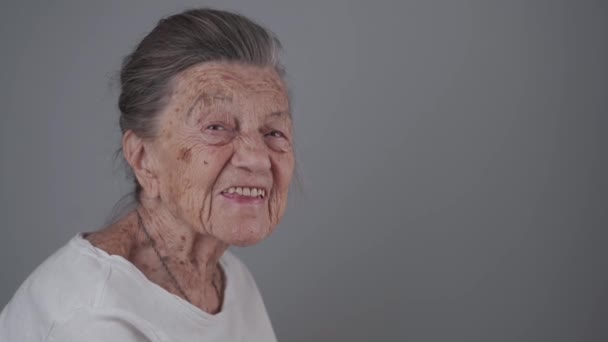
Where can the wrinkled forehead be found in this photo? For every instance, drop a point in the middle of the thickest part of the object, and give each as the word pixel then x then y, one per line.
pixel 214 82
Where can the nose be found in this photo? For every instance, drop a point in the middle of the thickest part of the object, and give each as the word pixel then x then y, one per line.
pixel 251 154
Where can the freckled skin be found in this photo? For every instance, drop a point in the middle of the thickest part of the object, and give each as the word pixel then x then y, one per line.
pixel 240 99
pixel 224 125
pixel 185 155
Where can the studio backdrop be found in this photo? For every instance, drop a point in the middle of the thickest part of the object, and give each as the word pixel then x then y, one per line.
pixel 451 157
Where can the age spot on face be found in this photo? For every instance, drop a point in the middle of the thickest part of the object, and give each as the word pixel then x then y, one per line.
pixel 185 155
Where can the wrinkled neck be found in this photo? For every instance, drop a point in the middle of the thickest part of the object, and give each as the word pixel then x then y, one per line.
pixel 176 242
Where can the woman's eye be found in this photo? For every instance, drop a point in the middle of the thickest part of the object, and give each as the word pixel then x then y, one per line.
pixel 276 134
pixel 216 128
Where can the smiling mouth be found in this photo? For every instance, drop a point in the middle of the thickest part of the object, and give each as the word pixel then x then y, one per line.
pixel 245 192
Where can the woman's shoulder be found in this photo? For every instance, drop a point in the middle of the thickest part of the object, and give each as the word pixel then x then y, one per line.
pixel 76 269
pixel 71 278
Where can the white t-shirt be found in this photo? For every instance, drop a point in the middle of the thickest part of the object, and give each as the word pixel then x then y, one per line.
pixel 81 293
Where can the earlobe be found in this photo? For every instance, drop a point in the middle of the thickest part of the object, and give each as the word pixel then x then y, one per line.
pixel 140 160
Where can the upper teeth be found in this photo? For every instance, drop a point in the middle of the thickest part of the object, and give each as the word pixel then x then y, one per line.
pixel 251 192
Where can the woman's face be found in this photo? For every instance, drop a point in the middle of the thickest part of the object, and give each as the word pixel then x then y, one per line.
pixel 223 154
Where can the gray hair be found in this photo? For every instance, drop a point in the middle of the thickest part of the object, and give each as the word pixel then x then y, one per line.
pixel 177 43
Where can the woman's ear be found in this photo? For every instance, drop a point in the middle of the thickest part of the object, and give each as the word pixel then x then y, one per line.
pixel 141 162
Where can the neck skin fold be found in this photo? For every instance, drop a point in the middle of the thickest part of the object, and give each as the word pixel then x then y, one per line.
pixel 181 246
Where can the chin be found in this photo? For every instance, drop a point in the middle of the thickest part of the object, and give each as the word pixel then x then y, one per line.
pixel 245 235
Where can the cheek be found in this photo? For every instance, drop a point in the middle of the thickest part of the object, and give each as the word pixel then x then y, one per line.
pixel 199 168
pixel 283 166
pixel 189 177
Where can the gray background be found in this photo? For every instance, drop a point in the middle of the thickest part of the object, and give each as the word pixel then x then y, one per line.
pixel 453 172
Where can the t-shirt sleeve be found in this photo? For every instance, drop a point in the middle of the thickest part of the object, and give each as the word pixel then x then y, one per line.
pixel 91 326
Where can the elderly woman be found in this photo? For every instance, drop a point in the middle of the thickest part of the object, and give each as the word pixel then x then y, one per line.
pixel 207 133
